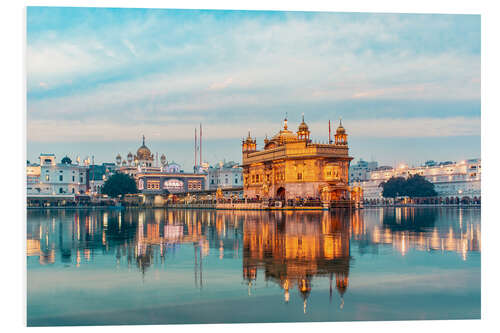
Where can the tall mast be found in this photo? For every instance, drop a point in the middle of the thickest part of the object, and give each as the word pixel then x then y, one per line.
pixel 195 148
pixel 329 132
pixel 201 161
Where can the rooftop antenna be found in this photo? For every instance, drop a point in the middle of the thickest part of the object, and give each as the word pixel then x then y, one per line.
pixel 195 149
pixel 201 161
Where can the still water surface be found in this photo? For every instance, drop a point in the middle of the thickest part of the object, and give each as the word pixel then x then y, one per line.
pixel 156 266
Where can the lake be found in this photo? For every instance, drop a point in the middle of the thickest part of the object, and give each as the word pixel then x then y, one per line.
pixel 159 266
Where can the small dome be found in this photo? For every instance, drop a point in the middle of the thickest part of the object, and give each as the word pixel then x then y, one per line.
pixel 340 129
pixel 303 126
pixel 249 138
pixel 129 154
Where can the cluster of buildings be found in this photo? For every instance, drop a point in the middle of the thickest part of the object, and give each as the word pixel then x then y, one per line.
pixel 63 179
pixel 290 166
pixel 454 182
pixel 67 180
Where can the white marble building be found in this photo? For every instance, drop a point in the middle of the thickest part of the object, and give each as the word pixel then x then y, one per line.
pixel 56 178
pixel 451 180
pixel 225 175
pixel 361 170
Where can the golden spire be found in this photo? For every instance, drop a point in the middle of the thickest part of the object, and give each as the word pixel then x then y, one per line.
pixel 286 122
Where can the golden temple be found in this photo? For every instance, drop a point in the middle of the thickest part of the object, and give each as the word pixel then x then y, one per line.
pixel 291 166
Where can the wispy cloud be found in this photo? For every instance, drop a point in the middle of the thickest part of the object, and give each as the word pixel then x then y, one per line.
pixel 43 130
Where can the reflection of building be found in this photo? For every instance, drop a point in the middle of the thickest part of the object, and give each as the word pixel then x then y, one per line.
pixel 157 176
pixel 408 228
pixel 292 166
pixel 293 249
pixel 225 175
pixel 452 181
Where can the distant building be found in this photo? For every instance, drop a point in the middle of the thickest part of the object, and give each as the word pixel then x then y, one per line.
pixel 361 170
pixel 56 178
pixel 98 175
pixel 156 175
pixel 451 180
pixel 33 171
pixel 225 175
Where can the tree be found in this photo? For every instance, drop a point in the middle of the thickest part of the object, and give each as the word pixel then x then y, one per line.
pixel 119 184
pixel 394 187
pixel 418 186
pixel 413 187
pixel 66 160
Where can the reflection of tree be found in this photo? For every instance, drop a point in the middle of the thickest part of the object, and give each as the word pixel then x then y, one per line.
pixel 427 229
pixel 292 249
pixel 409 218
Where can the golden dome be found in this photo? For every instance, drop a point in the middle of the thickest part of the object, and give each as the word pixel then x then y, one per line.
pixel 285 135
pixel 340 129
pixel 143 153
pixel 303 126
pixel 249 138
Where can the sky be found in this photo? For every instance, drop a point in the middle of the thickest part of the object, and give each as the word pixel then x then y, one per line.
pixel 406 86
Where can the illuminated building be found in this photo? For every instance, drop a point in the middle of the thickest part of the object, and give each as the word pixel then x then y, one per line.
pixel 154 178
pixel 453 182
pixel 292 166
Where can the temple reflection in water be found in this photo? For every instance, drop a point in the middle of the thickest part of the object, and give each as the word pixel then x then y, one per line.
pixel 290 249
pixel 293 248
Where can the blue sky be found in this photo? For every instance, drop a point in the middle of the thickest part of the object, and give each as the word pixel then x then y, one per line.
pixel 407 86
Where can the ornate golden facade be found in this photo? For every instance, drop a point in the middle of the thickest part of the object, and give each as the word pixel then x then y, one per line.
pixel 291 166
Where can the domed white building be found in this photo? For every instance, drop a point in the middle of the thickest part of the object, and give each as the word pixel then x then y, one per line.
pixel 157 175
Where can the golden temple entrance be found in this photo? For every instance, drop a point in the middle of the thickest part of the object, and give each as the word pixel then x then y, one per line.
pixel 281 193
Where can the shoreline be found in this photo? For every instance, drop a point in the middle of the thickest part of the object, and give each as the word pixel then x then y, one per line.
pixel 234 208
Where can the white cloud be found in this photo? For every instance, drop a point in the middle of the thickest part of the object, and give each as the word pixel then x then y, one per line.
pixel 76 131
pixel 253 64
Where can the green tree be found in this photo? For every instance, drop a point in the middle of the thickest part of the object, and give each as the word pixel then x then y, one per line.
pixel 414 186
pixel 119 184
pixel 394 187
pixel 417 186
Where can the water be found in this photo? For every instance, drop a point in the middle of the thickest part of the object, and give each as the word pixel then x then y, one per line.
pixel 159 266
